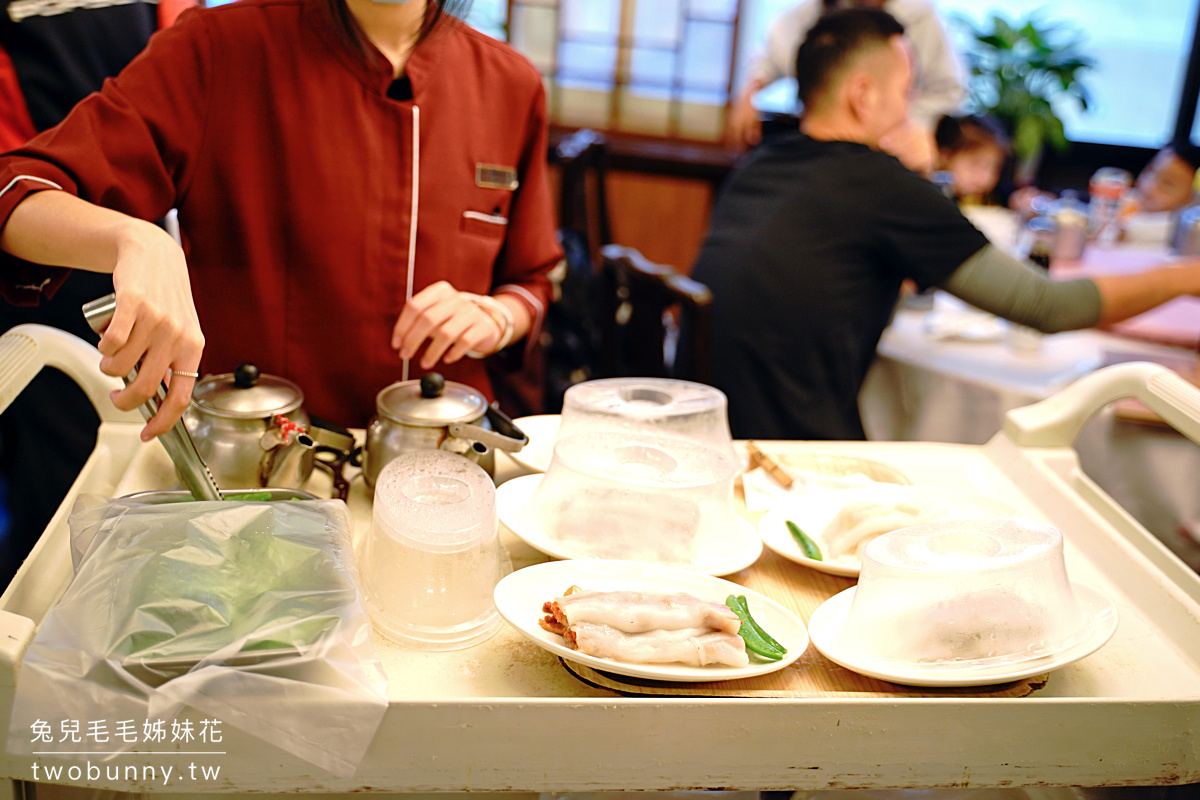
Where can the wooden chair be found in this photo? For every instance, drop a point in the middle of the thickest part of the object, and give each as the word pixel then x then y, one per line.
pixel 582 160
pixel 572 330
pixel 654 320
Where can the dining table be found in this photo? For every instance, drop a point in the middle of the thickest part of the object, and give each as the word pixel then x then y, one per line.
pixel 949 373
pixel 509 716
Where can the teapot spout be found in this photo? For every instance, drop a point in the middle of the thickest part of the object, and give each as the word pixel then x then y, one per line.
pixel 288 454
pixel 283 432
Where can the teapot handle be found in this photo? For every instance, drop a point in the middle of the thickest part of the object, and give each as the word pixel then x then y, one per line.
pixel 506 436
pixel 503 424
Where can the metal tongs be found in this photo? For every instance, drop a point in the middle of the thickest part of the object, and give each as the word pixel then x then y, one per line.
pixel 192 470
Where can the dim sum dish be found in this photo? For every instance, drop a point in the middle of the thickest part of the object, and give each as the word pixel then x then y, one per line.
pixel 647 627
pixel 961 603
pixel 644 620
pixel 658 539
pixel 841 523
pixel 829 620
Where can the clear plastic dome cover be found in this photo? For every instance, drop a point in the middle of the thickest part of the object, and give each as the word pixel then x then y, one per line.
pixel 964 592
pixel 656 406
pixel 636 497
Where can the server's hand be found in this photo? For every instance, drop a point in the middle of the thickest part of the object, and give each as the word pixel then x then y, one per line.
pixel 154 328
pixel 448 323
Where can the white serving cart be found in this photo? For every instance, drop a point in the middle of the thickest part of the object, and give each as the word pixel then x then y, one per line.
pixel 505 716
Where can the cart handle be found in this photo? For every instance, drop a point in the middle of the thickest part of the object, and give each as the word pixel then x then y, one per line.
pixel 1057 420
pixel 16 634
pixel 26 349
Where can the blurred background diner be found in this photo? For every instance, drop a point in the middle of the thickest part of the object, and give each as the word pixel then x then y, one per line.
pixel 972 152
pixel 648 102
pixel 657 188
pixel 938 76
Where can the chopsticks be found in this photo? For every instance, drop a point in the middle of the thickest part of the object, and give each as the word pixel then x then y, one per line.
pixel 760 459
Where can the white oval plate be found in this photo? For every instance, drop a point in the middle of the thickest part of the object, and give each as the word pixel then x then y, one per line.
pixel 964 326
pixel 541 430
pixel 519 598
pixel 813 513
pixel 741 549
pixel 826 622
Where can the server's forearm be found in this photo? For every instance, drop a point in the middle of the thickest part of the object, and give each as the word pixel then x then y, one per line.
pixel 58 229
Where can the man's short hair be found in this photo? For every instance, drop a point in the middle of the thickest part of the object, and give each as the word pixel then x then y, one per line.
pixel 1186 151
pixel 837 38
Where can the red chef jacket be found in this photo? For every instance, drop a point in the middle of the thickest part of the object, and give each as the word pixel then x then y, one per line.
pixel 314 193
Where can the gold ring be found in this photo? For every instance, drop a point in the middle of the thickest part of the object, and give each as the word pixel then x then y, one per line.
pixel 183 373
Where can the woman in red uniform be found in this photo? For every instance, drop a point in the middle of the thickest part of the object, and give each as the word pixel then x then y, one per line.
pixel 361 190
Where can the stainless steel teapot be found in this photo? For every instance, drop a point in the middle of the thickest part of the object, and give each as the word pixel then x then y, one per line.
pixel 435 414
pixel 251 429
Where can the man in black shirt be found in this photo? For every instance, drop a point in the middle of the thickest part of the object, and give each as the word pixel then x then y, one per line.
pixel 814 235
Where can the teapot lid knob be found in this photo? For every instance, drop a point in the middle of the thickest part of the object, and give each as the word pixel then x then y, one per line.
pixel 245 375
pixel 432 385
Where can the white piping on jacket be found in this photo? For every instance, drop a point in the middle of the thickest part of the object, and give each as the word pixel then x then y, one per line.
pixel 495 219
pixel 412 225
pixel 36 287
pixel 13 183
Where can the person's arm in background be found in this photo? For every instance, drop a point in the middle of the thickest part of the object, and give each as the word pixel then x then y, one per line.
pixel 914 146
pixel 743 129
pixel 1125 296
pixel 776 61
pixel 940 82
pixel 938 86
pixel 1000 284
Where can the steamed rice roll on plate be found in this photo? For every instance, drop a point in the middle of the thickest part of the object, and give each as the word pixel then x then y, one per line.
pixel 647 627
pixel 844 521
pixel 639 612
pixel 520 598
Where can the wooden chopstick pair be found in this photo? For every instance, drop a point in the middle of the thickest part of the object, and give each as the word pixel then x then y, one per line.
pixel 760 459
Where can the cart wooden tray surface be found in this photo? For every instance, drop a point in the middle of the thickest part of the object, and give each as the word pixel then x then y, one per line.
pixel 506 716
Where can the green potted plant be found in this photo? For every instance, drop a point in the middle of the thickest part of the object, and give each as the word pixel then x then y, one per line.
pixel 1019 73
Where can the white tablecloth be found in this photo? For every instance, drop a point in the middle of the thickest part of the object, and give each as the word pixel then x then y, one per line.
pixel 958 391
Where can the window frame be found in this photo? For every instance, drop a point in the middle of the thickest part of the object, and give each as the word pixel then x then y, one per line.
pixel 1062 170
pixel 622 79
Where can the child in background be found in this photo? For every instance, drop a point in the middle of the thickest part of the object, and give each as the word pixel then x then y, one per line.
pixel 1162 189
pixel 972 150
pixel 1166 184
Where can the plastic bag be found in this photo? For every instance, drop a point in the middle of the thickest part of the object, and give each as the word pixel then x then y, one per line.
pixel 245 611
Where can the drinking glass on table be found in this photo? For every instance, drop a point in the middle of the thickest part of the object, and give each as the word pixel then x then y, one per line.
pixel 1109 187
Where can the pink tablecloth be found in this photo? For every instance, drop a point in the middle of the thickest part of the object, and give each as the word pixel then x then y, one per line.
pixel 959 391
pixel 1176 323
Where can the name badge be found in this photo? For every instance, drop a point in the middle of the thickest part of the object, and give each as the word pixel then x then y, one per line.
pixel 490 176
